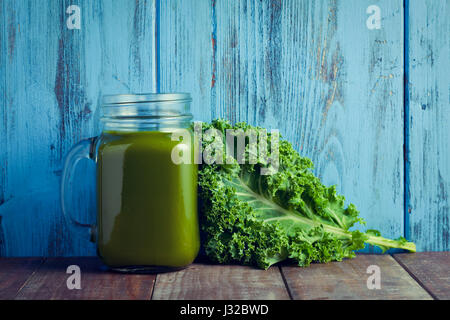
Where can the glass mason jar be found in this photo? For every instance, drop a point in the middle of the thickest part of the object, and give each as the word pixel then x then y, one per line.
pixel 146 203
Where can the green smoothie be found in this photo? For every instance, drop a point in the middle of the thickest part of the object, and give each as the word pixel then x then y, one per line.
pixel 147 205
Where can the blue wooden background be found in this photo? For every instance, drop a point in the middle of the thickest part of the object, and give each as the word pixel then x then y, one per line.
pixel 370 107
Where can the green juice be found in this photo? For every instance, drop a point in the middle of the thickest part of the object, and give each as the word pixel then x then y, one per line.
pixel 147 205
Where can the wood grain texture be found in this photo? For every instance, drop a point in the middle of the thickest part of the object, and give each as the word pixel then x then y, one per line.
pixel 32 278
pixel 207 282
pixel 430 269
pixel 429 124
pixel 30 131
pixel 3 134
pixel 54 80
pixel 49 282
pixel 311 69
pixel 187 52
pixel 348 280
pixel 14 272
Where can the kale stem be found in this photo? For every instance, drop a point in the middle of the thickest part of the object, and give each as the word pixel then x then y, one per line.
pixel 380 241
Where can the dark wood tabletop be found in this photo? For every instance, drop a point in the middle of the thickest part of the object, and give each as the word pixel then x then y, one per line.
pixel 402 276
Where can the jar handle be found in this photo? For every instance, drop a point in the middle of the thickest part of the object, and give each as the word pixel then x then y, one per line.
pixel 85 149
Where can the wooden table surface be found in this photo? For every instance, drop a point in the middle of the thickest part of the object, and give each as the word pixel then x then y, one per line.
pixel 403 276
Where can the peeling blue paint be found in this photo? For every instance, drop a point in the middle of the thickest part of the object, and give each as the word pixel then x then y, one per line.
pixel 370 107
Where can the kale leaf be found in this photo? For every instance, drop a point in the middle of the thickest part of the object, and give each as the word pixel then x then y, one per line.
pixel 259 220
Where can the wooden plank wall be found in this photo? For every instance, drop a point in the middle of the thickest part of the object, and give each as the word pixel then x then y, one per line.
pixel 309 68
pixel 54 80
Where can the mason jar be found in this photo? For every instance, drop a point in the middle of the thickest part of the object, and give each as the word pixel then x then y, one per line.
pixel 146 202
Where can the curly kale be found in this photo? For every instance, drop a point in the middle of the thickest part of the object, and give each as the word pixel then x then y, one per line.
pixel 259 220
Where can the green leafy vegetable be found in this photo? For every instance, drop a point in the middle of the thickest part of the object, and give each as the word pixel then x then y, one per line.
pixel 259 220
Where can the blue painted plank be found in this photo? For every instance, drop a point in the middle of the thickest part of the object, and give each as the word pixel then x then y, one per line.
pixel 186 52
pixel 429 124
pixel 28 214
pixel 3 134
pixel 312 69
pixel 54 80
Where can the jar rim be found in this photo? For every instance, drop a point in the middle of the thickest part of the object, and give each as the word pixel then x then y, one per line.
pixel 110 99
pixel 147 111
